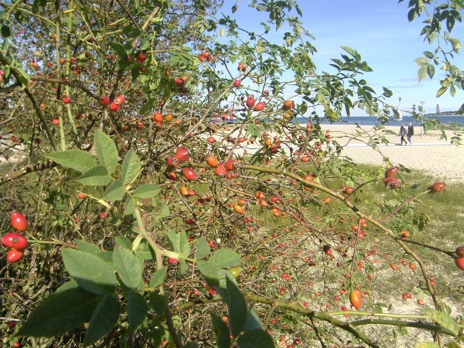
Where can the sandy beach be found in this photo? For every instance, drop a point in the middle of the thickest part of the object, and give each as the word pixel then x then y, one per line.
pixel 428 152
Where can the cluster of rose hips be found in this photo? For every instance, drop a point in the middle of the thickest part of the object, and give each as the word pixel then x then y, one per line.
pixel 15 241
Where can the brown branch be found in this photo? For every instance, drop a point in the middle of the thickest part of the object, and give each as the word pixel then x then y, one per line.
pixel 26 170
pixel 35 105
pixel 67 83
pixel 355 209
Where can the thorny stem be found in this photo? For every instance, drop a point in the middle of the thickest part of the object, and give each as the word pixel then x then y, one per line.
pixel 355 209
pixel 159 262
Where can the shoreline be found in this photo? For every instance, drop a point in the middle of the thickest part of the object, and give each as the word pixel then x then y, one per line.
pixel 429 152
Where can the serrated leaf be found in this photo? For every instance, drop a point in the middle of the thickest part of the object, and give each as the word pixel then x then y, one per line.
pixel 183 266
pixel 130 167
pixel 179 241
pixel 147 191
pixel 129 206
pixel 75 159
pixel 69 285
pixel 430 70
pixel 443 320
pixel 106 151
pixel 237 308
pixel 222 332
pixel 23 77
pixel 158 277
pixel 96 176
pixel 87 247
pixel 441 91
pixel 128 267
pixel 255 339
pixel 164 211
pixel 123 242
pixel 456 44
pixel 253 322
pixel 203 249
pixel 209 272
pixel 114 192
pixel 60 313
pixel 104 318
pixel 158 304
pixel 421 61
pixel 137 309
pixel 118 49
pixel 422 73
pixel 89 271
pixel 224 258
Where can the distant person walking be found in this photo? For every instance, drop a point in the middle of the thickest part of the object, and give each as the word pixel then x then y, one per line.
pixel 403 133
pixel 410 133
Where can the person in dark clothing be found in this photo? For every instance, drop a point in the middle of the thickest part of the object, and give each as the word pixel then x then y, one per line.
pixel 410 133
pixel 403 133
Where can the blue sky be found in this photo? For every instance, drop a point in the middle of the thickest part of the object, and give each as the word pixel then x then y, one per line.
pixel 380 31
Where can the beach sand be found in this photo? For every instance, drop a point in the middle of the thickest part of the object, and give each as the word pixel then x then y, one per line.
pixel 428 153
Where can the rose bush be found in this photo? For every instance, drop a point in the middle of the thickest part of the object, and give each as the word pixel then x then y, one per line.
pixel 174 199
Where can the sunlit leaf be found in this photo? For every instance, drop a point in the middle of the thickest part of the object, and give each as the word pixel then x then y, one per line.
pixel 104 318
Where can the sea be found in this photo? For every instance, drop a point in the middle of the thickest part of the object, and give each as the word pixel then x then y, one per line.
pixel 372 121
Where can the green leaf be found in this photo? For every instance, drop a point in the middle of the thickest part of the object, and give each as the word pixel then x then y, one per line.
pixel 253 322
pixel 69 285
pixel 452 344
pixel 114 192
pixel 456 44
pixel 224 258
pixel 222 332
pixel 147 191
pixel 104 318
pixel 89 271
pixel 106 151
pixel 430 70
pixel 23 77
pixel 60 313
pixel 129 267
pixel 75 159
pixel 123 242
pixel 158 277
pixel 179 242
pixel 255 339
pixel 441 91
pixel 96 176
pixel 422 73
pixel 428 345
pixel 157 303
pixel 422 61
pixel 237 308
pixel 209 272
pixel 443 320
pixel 87 247
pixel 130 167
pixel 164 211
pixel 118 49
pixel 6 31
pixel 203 249
pixel 137 309
pixel 129 206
